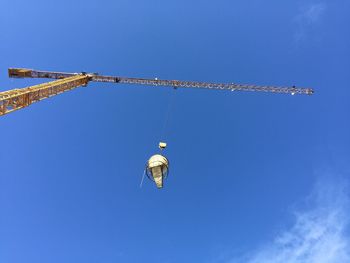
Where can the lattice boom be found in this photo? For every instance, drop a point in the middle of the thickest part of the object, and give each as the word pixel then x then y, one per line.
pixel 19 98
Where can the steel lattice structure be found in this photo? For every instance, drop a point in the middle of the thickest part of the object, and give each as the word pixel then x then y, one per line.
pixel 19 98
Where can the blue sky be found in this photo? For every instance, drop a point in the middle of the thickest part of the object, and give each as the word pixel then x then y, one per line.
pixel 254 177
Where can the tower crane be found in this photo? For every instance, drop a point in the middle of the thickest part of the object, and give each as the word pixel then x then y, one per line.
pixel 16 99
pixel 157 167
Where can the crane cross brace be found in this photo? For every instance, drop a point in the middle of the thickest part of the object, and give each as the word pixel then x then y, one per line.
pixel 19 98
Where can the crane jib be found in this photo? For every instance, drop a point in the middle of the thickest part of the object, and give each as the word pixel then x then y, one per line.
pixel 16 99
pixel 28 73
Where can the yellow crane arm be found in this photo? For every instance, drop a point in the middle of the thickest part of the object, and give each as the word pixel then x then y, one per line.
pixel 29 73
pixel 19 98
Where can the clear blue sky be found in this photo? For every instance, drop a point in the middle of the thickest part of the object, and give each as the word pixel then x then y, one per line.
pixel 242 164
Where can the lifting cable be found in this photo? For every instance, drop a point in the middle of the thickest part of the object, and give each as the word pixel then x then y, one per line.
pixel 167 115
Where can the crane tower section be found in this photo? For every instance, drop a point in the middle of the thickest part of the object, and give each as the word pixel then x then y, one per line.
pixel 19 98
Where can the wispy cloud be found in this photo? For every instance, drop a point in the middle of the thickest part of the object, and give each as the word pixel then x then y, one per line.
pixel 318 235
pixel 308 16
pixel 313 13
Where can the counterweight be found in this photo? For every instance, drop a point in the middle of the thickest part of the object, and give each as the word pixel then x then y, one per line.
pixel 19 98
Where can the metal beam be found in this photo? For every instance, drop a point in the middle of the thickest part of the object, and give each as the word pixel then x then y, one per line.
pixel 28 73
pixel 19 98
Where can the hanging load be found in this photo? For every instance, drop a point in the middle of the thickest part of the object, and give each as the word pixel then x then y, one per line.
pixel 157 168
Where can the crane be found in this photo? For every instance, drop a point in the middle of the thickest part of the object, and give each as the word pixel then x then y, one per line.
pixel 157 167
pixel 16 99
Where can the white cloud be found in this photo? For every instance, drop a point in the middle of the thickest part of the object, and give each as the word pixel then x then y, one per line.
pixel 307 18
pixel 313 13
pixel 318 235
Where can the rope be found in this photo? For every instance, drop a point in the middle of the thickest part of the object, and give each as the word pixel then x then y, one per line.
pixel 143 177
pixel 167 115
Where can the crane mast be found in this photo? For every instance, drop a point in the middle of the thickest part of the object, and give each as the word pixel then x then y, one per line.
pixel 19 98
